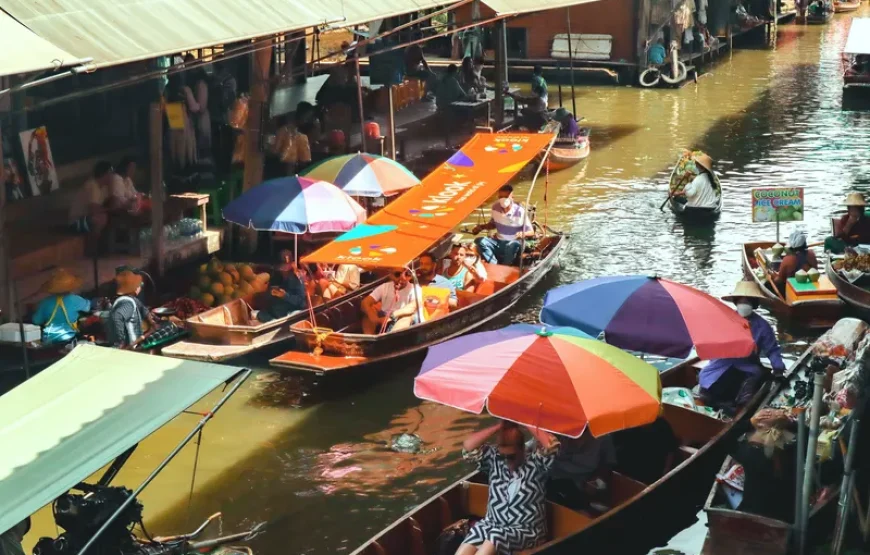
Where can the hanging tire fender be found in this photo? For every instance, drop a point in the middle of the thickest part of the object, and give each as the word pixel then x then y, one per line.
pixel 657 75
pixel 682 72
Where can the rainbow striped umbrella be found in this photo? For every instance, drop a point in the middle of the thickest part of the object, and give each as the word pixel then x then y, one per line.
pixel 556 379
pixel 295 205
pixel 364 175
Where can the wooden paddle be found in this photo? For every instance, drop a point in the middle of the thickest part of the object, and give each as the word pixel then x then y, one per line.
pixel 662 207
pixel 761 264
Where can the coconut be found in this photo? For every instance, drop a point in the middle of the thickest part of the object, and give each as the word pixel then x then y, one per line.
pixel 225 278
pixel 228 291
pixel 801 277
pixel 247 272
pixel 217 289
pixel 777 250
pixel 207 299
pixel 813 274
pixel 215 266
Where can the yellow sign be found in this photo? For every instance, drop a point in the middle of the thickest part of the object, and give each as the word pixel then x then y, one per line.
pixel 175 115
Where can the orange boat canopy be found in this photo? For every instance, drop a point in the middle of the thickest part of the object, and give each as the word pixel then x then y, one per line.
pixel 399 233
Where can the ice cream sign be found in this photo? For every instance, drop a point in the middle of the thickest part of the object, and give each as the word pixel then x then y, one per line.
pixel 778 204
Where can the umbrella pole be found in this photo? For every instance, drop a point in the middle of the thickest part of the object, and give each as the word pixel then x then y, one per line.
pixel 296 248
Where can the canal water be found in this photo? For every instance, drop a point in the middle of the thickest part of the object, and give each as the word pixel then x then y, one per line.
pixel 321 474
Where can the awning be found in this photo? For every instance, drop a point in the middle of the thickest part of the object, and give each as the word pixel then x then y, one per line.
pixel 407 227
pixel 118 32
pixel 859 37
pixel 67 422
pixel 514 7
pixel 24 52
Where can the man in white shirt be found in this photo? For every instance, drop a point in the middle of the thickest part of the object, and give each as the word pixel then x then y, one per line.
pixel 508 219
pixel 701 193
pixel 88 213
pixel 392 306
pixel 344 279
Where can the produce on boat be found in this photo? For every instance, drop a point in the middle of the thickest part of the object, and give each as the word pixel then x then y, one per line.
pixel 811 304
pixel 759 507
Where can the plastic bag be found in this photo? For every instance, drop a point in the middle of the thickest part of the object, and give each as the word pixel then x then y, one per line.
pixel 239 113
pixel 678 396
pixel 841 340
pixel 734 477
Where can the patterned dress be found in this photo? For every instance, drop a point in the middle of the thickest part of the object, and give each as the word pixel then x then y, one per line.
pixel 516 517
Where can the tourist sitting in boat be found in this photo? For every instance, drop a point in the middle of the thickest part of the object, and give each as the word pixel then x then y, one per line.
pixel 470 80
pixel 449 89
pixel 128 316
pixel 700 192
pixel 427 275
pixel 287 291
pixel 462 269
pixel 799 258
pixel 508 219
pixel 58 313
pixel 339 280
pixel 392 305
pixel 728 383
pixel 853 228
pixel 568 128
pixel 582 472
pixel 516 516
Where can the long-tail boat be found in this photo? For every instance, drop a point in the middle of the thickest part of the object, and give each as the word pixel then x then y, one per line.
pixel 815 305
pixel 634 511
pixel 405 229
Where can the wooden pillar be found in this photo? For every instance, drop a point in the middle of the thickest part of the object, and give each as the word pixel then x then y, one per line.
pixel 642 32
pixel 500 72
pixel 155 147
pixel 261 61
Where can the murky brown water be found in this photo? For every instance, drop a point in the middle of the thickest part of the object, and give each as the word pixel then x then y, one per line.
pixel 323 477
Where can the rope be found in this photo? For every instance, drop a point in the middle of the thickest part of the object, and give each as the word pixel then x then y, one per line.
pixel 193 477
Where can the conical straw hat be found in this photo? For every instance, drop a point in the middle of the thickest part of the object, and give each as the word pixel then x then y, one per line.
pixel 855 199
pixel 744 289
pixel 704 161
pixel 62 281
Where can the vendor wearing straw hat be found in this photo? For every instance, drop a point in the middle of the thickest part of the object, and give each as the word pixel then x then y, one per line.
pixel 700 192
pixel 851 229
pixel 730 382
pixel 126 321
pixel 58 313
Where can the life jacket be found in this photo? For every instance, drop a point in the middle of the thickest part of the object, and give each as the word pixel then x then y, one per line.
pixel 435 302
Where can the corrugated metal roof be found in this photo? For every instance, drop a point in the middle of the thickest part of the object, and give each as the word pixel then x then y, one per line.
pixel 509 7
pixel 119 31
pixel 859 37
pixel 24 52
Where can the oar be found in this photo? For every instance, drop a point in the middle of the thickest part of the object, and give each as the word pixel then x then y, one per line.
pixel 670 194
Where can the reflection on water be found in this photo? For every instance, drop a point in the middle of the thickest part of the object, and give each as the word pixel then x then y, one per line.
pixel 324 476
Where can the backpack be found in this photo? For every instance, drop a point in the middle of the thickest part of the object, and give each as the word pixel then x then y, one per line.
pixel 221 95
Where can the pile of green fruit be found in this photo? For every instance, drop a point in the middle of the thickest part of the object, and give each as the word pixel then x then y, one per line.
pixel 219 283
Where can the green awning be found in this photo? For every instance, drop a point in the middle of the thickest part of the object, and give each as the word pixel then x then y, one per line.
pixel 67 422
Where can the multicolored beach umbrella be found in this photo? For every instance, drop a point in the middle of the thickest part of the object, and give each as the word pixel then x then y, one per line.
pixel 295 205
pixel 556 379
pixel 364 175
pixel 651 315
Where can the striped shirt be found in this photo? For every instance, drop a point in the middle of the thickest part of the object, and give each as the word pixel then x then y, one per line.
pixel 508 222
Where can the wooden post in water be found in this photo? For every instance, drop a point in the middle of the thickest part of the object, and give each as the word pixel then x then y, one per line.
pixel 261 61
pixel 571 62
pixel 500 73
pixel 155 147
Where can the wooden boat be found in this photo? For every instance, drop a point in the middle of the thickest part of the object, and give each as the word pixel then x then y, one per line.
pixel 856 77
pixel 819 19
pixel 569 152
pixel 855 296
pixel 635 505
pixel 690 213
pixel 732 531
pixel 820 310
pixel 846 6
pixel 345 348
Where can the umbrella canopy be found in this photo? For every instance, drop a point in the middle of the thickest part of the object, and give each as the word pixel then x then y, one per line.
pixel 295 205
pixel 556 379
pixel 364 175
pixel 650 315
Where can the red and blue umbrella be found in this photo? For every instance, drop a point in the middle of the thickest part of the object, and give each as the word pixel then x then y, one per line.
pixel 364 175
pixel 295 205
pixel 651 315
pixel 556 379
